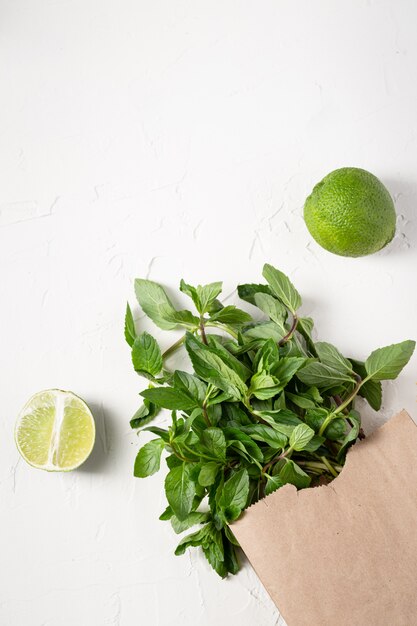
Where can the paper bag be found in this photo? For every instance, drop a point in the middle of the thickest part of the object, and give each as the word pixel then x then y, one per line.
pixel 344 554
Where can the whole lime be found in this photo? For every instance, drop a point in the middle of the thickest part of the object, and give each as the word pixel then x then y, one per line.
pixel 350 213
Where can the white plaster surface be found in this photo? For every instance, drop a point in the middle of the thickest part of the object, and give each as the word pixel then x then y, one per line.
pixel 175 139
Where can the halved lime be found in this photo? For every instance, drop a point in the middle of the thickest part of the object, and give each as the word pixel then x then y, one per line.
pixel 55 431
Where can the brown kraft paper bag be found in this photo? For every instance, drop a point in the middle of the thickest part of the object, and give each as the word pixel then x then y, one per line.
pixel 344 554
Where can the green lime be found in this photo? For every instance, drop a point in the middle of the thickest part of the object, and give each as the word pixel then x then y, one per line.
pixel 55 431
pixel 350 213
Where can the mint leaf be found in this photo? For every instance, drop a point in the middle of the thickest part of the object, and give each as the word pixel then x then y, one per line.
pixel 214 442
pixel 248 292
pixel 195 539
pixel 371 390
pixel 293 474
pixel 264 386
pixel 234 494
pixel 265 330
pixel 282 287
pixel 386 363
pixel 329 355
pixel 231 361
pixel 145 413
pixel 272 484
pixel 322 376
pixel 286 368
pixel 208 473
pixel 267 434
pixel 203 296
pixel 148 459
pixel 130 330
pixel 241 442
pixel 300 400
pixel 351 436
pixel 266 357
pixel 158 307
pixel 211 368
pixel 191 291
pixel 169 398
pixel 272 308
pixel 207 295
pixel 301 436
pixel 180 490
pixel 190 385
pixel 179 526
pixel 146 354
pixel 231 315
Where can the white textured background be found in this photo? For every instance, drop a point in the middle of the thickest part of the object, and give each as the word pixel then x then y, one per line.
pixel 175 139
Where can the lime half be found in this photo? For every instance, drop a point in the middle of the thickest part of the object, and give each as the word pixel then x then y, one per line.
pixel 55 431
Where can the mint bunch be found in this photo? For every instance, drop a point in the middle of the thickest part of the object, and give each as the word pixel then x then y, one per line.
pixel 263 405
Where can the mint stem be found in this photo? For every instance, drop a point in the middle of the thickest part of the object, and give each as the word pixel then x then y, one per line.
pixel 290 333
pixel 173 348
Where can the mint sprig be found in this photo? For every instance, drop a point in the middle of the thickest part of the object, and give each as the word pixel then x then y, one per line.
pixel 263 404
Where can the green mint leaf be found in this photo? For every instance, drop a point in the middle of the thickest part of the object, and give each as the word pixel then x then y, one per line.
pixel 305 327
pixel 314 444
pixel 214 552
pixel 230 536
pixel 300 400
pixel 265 330
pixel 293 474
pixel 166 515
pixel 156 304
pixel 148 459
pixel 214 442
pixel 169 398
pixel 191 386
pixel 386 363
pixel 247 292
pixel 272 307
pixel 231 560
pixel 301 436
pixel 266 434
pixel 207 295
pixel 130 330
pixel 351 436
pixel 240 441
pixel 231 361
pixel 266 357
pixel 146 354
pixel 180 490
pixel 231 315
pixel 272 484
pixel 329 355
pixel 322 376
pixel 281 420
pixel 194 518
pixel 371 390
pixel 191 291
pixel 336 429
pixel 208 474
pixel 215 306
pixel 193 540
pixel 282 287
pixel 286 368
pixel 145 413
pixel 211 368
pixel 264 386
pixel 234 494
